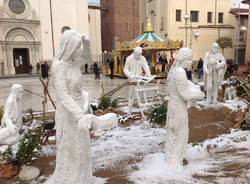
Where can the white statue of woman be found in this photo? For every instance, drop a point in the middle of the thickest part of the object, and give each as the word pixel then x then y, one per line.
pixel 181 91
pixel 12 117
pixel 214 68
pixel 73 159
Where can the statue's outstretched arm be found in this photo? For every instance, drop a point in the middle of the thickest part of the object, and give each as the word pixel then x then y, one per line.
pixel 146 68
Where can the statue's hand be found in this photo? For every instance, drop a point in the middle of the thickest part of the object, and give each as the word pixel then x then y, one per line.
pixel 85 38
pixel 201 95
pixel 84 123
pixel 12 128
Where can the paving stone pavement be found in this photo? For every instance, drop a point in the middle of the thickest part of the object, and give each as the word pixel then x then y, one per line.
pixel 33 99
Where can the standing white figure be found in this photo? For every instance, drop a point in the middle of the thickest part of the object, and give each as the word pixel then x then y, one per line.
pixel 214 69
pixel 134 66
pixel 73 159
pixel 12 117
pixel 181 91
pixel 230 93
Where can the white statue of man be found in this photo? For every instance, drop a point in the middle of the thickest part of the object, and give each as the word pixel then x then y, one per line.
pixel 181 91
pixel 12 117
pixel 134 67
pixel 73 159
pixel 214 68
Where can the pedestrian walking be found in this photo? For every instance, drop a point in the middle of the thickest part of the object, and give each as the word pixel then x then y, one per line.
pixel 111 66
pixel 30 68
pixel 96 71
pixel 38 66
pixel 86 67
pixel 200 68
pixel 45 70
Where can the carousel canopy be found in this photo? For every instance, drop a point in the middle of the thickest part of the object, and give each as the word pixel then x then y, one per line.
pixel 150 41
pixel 149 36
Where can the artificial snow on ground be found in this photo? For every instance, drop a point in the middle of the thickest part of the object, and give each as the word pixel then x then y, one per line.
pixel 234 105
pixel 201 160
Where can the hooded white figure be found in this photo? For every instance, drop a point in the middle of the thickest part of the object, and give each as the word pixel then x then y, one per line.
pixel 73 159
pixel 12 117
pixel 214 68
pixel 134 66
pixel 181 91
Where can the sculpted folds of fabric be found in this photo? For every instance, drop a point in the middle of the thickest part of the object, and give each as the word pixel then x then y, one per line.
pixel 73 159
pixel 181 91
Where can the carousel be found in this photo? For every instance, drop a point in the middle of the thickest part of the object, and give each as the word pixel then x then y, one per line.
pixel 156 50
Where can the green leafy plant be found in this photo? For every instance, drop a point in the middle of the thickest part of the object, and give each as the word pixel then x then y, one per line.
pixel 242 86
pixel 1 114
pixel 105 102
pixel 27 149
pixel 8 157
pixel 225 42
pixel 241 139
pixel 158 112
pixel 29 145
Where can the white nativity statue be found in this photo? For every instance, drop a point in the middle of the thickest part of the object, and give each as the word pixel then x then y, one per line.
pixel 214 68
pixel 181 91
pixel 230 93
pixel 73 159
pixel 134 67
pixel 12 116
pixel 99 123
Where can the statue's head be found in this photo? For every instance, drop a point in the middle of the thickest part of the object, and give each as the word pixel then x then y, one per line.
pixel 18 90
pixel 184 58
pixel 70 46
pixel 137 52
pixel 214 47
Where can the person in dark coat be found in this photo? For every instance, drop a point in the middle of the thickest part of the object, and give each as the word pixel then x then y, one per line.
pixel 45 70
pixel 38 66
pixel 30 68
pixel 86 67
pixel 111 66
pixel 163 65
pixel 96 71
pixel 200 68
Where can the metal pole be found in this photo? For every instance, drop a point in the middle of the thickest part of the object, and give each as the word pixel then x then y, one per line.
pixel 191 33
pixel 237 39
pixel 186 25
pixel 52 29
pixel 215 14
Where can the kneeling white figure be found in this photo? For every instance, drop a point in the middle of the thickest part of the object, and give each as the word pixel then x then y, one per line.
pixel 12 117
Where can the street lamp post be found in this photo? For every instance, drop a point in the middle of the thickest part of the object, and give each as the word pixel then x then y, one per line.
pixel 195 34
pixel 240 28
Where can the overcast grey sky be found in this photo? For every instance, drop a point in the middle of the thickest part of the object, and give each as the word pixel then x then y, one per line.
pixel 94 1
pixel 235 4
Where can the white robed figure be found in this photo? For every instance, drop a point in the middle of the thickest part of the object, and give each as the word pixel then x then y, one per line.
pixel 181 91
pixel 73 158
pixel 214 68
pixel 12 117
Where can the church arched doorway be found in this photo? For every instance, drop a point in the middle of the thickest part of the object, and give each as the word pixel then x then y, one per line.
pixel 21 60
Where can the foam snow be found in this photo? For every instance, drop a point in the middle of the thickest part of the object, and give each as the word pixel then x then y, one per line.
pixel 154 170
pixel 48 150
pixel 124 143
pixel 234 105
pixel 96 180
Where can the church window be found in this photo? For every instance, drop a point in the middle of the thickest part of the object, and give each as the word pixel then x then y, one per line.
pixel 17 6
